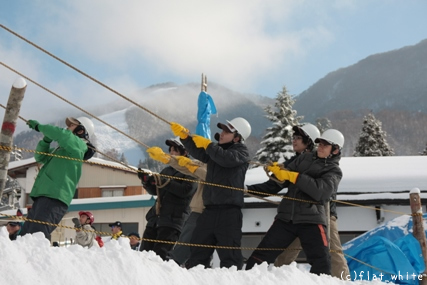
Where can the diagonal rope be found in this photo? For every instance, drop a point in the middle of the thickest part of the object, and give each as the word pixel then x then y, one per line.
pixel 83 73
pixel 72 104
pixel 204 80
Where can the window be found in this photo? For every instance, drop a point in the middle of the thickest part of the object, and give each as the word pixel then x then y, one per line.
pixel 112 191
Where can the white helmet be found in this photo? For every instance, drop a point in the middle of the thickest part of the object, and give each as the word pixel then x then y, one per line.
pixel 88 125
pixel 332 136
pixel 241 126
pixel 309 130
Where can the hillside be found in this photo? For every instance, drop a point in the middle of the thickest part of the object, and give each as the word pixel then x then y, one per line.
pixel 392 85
pixel 174 103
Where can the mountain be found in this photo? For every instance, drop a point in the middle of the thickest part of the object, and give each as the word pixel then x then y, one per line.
pixel 392 85
pixel 165 102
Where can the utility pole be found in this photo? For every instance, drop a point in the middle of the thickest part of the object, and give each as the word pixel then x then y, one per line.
pixel 418 226
pixel 11 115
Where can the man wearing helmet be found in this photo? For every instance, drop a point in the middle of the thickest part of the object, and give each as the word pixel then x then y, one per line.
pixel 167 216
pixel 311 179
pixel 56 181
pixel 303 141
pixel 85 234
pixel 227 162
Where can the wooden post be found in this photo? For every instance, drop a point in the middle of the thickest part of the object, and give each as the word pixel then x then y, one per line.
pixel 11 115
pixel 204 85
pixel 418 226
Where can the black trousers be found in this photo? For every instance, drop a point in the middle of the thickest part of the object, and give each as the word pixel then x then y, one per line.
pixel 46 210
pixel 159 233
pixel 281 234
pixel 218 226
pixel 181 253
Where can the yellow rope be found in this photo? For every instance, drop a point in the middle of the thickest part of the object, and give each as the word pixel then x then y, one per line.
pixel 9 149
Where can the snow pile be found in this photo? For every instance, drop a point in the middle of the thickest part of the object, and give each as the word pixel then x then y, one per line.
pixel 31 260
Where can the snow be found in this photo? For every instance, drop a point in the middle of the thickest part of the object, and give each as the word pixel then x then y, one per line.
pixel 107 138
pixel 19 83
pixel 366 175
pixel 31 260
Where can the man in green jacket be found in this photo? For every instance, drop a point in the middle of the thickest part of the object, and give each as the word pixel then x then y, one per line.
pixel 56 181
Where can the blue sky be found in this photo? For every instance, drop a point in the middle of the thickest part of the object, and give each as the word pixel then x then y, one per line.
pixel 254 46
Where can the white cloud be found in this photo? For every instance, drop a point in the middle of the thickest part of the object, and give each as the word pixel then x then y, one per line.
pixel 237 41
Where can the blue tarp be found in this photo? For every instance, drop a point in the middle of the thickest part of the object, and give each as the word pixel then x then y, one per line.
pixel 389 252
pixel 206 107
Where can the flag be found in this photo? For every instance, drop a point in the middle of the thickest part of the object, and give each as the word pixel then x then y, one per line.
pixel 206 107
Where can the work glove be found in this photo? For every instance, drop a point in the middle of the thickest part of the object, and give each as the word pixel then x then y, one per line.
pixel 146 178
pixel 157 153
pixel 179 130
pixel 187 163
pixel 283 174
pixel 201 141
pixel 33 124
pixel 76 223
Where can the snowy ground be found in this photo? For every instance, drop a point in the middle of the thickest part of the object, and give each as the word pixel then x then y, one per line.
pixel 31 260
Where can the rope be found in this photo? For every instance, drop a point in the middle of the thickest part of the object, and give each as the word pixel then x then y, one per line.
pixel 72 104
pixel 190 244
pixel 9 149
pixel 83 73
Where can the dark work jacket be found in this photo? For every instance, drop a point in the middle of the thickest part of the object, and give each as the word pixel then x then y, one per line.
pixel 318 179
pixel 332 204
pixel 174 198
pixel 225 166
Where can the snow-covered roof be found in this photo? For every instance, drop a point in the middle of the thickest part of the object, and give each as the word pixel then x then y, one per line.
pixel 372 174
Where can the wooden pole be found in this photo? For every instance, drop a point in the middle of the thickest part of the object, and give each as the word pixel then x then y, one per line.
pixel 11 115
pixel 204 85
pixel 418 226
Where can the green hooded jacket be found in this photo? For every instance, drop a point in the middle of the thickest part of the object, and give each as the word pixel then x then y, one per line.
pixel 58 176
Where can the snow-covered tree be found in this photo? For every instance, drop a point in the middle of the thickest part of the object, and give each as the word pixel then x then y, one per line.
pixel 277 142
pixel 372 140
pixel 123 159
pixel 323 124
pixel 425 151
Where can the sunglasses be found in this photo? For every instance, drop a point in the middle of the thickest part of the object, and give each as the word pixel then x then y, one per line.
pixel 12 225
pixel 295 138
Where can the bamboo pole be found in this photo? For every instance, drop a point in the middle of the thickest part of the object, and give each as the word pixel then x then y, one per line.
pixel 11 115
pixel 418 227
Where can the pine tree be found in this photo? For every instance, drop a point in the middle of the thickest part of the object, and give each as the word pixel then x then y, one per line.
pixel 425 151
pixel 277 142
pixel 372 140
pixel 323 124
pixel 123 159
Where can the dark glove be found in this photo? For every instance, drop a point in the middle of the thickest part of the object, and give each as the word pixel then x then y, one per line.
pixel 145 177
pixel 76 223
pixel 33 124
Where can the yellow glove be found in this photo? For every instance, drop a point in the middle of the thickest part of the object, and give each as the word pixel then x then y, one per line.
pixel 201 141
pixel 187 163
pixel 283 174
pixel 179 130
pixel 157 153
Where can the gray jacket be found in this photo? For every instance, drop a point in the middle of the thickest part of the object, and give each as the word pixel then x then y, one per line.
pixel 86 237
